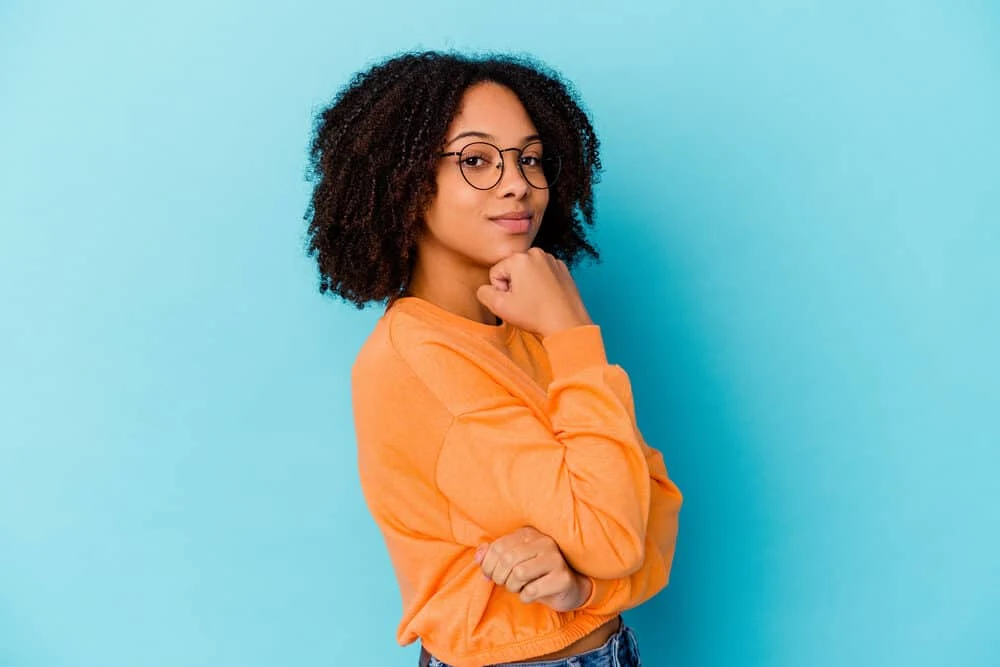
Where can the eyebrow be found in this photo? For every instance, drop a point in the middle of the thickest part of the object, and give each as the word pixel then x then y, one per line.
pixel 487 135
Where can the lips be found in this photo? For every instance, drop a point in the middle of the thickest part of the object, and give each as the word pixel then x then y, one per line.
pixel 515 222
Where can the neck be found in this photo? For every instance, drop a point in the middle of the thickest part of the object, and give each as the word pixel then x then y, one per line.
pixel 451 287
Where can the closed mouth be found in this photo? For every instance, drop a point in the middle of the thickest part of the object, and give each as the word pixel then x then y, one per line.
pixel 514 215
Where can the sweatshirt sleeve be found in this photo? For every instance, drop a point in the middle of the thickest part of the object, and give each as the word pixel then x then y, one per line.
pixel 575 470
pixel 613 596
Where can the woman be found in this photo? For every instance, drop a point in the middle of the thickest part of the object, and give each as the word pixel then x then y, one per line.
pixel 497 448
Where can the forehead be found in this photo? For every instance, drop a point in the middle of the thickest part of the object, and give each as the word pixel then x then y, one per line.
pixel 494 110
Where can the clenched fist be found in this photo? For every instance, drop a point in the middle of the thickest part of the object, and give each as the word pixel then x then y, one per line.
pixel 529 562
pixel 534 291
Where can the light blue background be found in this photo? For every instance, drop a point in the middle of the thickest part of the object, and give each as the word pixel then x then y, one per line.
pixel 799 218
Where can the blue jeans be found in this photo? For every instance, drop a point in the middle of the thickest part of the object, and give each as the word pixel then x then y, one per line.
pixel 621 650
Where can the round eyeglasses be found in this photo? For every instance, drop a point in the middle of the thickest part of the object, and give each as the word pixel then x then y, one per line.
pixel 482 165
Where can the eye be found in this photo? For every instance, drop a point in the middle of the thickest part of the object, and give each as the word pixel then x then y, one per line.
pixel 474 161
pixel 531 161
pixel 478 159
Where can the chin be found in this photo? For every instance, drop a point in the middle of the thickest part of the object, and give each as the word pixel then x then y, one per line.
pixel 512 248
pixel 498 251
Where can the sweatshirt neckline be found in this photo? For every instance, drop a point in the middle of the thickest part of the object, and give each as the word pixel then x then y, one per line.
pixel 428 311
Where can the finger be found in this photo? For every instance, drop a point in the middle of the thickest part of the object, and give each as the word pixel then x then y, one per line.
pixel 547 557
pixel 556 583
pixel 490 560
pixel 528 571
pixel 502 557
pixel 507 562
pixel 481 552
pixel 526 540
pixel 500 272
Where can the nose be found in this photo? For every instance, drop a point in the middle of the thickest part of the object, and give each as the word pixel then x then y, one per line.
pixel 512 182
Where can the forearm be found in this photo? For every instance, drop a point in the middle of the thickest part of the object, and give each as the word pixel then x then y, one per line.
pixel 610 596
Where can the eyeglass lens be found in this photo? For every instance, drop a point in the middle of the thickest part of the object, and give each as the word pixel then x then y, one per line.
pixel 482 165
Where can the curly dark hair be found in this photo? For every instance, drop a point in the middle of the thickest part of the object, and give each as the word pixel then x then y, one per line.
pixel 373 156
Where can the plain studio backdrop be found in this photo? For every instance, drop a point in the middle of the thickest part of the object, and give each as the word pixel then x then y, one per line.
pixel 799 222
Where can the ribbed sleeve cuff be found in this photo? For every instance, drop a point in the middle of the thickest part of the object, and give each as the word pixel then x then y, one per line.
pixel 600 591
pixel 573 350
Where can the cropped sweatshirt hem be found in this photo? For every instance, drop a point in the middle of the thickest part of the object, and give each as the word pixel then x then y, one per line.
pixel 529 649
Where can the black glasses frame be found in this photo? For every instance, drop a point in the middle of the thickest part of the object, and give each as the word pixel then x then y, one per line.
pixel 554 160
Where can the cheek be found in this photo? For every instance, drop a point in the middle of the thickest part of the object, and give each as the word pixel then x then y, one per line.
pixel 454 193
pixel 453 212
pixel 540 203
pixel 543 200
pixel 442 209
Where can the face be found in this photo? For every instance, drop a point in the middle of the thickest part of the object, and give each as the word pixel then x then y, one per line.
pixel 478 228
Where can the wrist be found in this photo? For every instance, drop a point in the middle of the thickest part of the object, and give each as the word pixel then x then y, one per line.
pixel 565 324
pixel 584 589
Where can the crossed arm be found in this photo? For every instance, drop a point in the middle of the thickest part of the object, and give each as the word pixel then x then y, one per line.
pixel 580 474
pixel 530 563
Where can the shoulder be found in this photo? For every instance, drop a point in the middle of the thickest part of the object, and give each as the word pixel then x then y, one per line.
pixel 408 356
pixel 383 365
pixel 395 348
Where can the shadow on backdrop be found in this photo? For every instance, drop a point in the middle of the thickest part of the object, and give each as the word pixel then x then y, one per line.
pixel 652 329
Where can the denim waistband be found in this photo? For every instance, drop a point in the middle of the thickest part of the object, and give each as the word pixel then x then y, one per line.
pixel 620 650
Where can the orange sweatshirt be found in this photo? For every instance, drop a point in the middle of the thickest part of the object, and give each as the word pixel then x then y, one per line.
pixel 467 432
